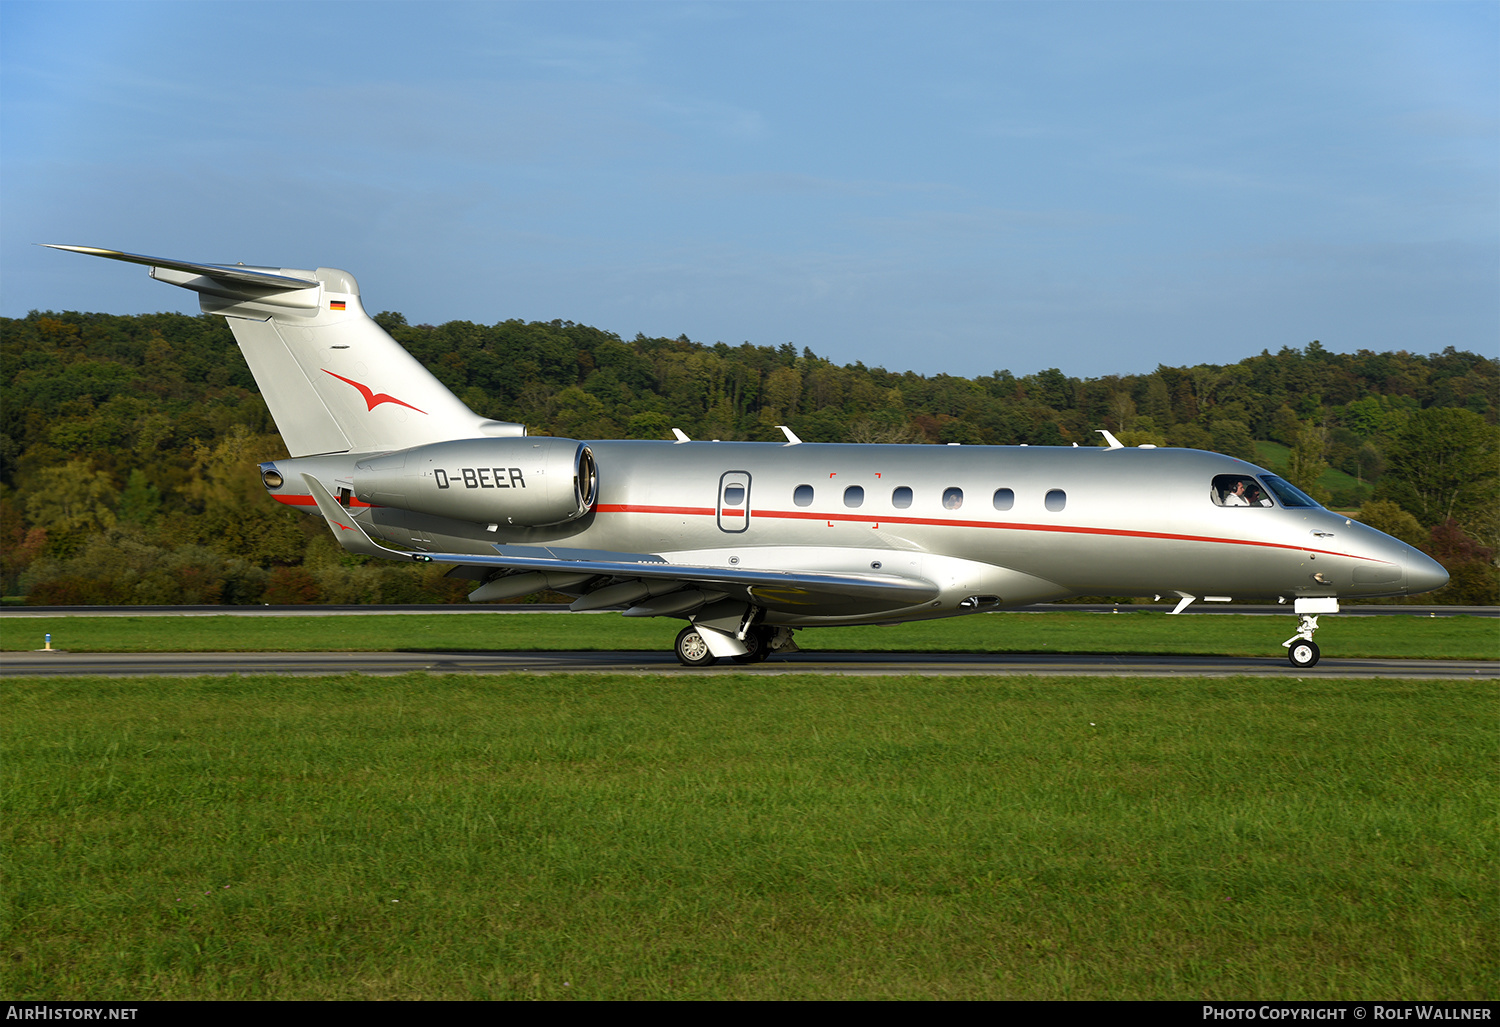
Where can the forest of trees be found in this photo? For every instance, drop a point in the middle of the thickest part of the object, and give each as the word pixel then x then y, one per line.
pixel 129 445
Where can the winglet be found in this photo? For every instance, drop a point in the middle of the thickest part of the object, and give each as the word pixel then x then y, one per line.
pixel 791 436
pixel 1114 443
pixel 681 436
pixel 350 535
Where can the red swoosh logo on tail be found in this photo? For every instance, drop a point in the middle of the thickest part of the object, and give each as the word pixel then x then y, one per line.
pixel 374 399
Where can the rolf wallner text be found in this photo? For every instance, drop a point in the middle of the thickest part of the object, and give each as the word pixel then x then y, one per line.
pixel 1362 1011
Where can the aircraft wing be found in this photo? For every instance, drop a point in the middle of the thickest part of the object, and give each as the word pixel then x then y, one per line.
pixel 781 589
pixel 658 579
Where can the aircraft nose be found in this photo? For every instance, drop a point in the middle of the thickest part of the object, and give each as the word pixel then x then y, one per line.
pixel 1423 573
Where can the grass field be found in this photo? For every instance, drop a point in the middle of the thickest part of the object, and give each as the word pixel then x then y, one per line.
pixel 1131 631
pixel 604 837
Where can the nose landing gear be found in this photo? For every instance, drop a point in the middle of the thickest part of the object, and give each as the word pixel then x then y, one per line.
pixel 1301 650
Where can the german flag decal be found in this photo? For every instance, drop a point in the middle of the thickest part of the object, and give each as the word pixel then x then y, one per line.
pixel 335 304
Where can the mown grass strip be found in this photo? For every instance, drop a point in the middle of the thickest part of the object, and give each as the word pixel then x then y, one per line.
pixel 1413 637
pixel 747 837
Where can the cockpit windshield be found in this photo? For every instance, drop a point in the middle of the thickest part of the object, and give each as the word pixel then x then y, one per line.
pixel 1287 493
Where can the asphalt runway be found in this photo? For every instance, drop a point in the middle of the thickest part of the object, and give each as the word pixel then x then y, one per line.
pixel 58 664
pixel 1215 609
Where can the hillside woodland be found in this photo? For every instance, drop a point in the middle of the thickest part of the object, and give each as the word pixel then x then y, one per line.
pixel 129 445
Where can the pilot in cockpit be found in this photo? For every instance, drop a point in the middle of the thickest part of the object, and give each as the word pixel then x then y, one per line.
pixel 1234 490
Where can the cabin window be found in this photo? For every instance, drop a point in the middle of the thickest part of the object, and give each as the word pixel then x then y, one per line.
pixel 901 498
pixel 1056 499
pixel 953 499
pixel 1005 499
pixel 1289 494
pixel 854 496
pixel 1238 490
pixel 734 495
pixel 803 496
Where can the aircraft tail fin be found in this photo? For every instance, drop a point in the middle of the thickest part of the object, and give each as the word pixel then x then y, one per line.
pixel 334 381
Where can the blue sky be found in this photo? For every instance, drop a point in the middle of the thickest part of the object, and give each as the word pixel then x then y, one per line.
pixel 947 188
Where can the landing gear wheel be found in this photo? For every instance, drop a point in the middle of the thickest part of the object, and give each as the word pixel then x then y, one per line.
pixel 1303 653
pixel 759 641
pixel 692 651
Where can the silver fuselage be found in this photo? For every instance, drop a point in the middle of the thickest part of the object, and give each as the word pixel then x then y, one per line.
pixel 1121 522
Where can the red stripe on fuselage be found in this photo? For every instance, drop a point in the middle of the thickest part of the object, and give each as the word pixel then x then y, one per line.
pixel 955 523
pixel 708 511
pixel 686 511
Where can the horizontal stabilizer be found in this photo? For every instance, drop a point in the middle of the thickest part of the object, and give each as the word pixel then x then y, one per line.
pixel 237 274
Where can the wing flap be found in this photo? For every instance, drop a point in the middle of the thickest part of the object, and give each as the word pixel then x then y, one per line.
pixel 778 589
pixel 767 587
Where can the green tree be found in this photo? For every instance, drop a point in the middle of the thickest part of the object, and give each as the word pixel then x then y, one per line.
pixel 1308 463
pixel 233 514
pixel 1232 438
pixel 140 503
pixel 73 498
pixel 1158 405
pixel 1443 464
pixel 1285 427
pixel 581 415
pixel 651 424
pixel 1383 515
pixel 883 426
pixel 783 389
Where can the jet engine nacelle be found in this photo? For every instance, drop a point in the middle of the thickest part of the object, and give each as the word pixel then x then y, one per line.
pixel 530 481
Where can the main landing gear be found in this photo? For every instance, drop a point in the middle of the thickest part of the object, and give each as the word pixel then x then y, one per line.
pixel 693 649
pixel 758 645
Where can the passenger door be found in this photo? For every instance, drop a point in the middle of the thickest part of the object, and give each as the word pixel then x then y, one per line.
pixel 734 501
